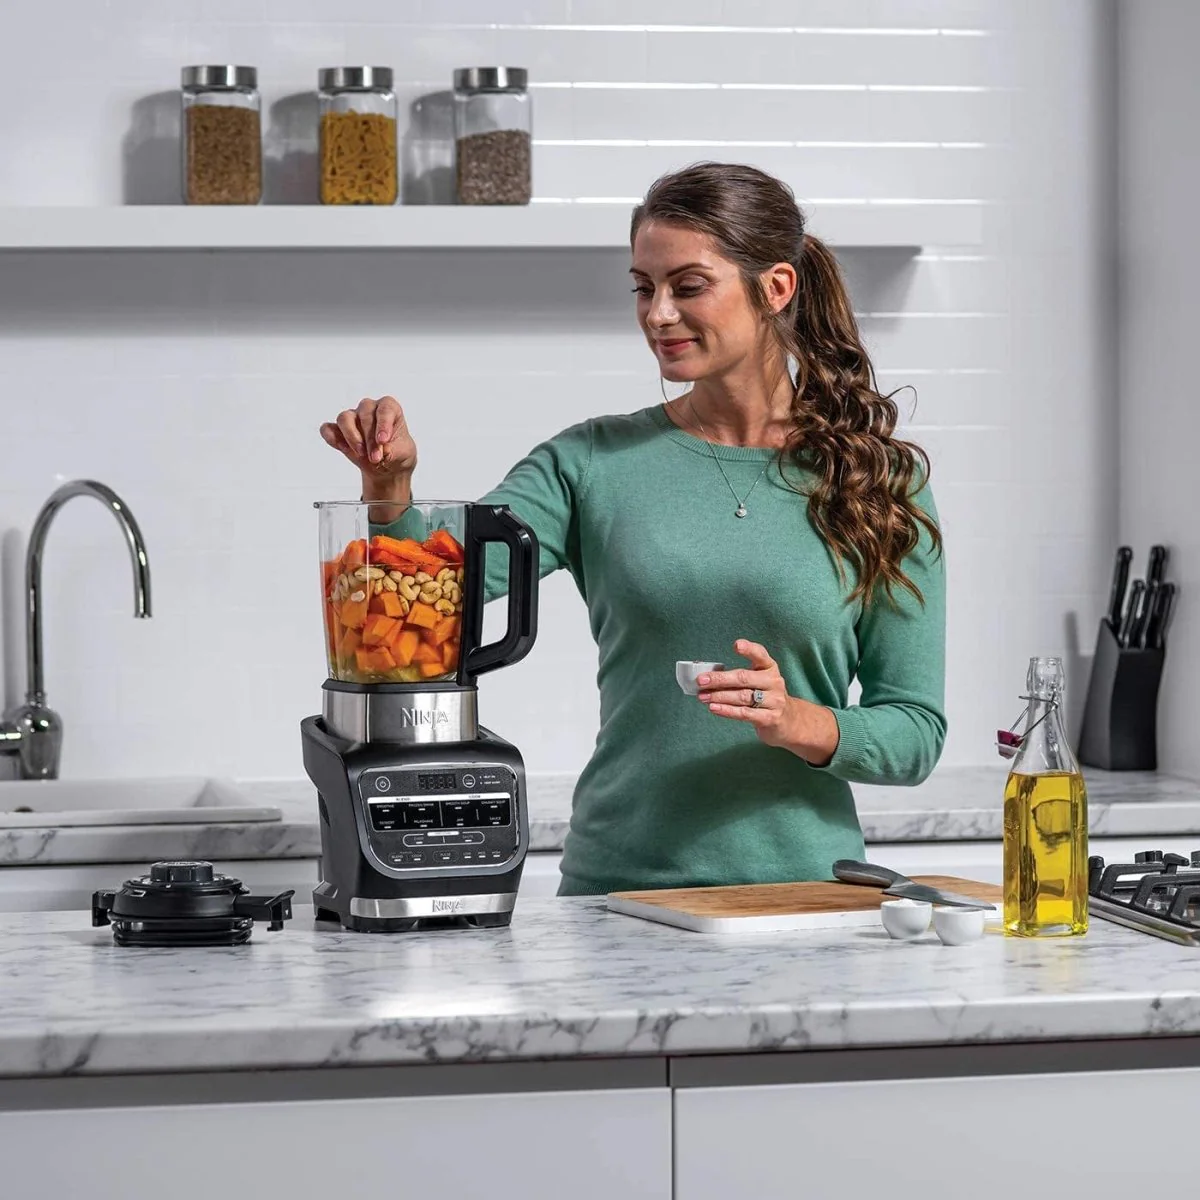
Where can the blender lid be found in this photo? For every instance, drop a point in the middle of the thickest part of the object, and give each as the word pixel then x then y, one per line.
pixel 186 902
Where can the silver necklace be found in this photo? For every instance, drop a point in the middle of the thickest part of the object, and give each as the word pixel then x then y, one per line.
pixel 741 510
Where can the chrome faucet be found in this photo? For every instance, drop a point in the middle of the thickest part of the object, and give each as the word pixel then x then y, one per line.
pixel 33 732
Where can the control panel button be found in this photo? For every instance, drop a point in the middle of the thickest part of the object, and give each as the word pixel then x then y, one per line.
pixel 468 781
pixel 472 837
pixel 383 783
pixel 494 812
pixel 415 839
pixel 443 857
pixel 386 816
pixel 458 814
pixel 422 814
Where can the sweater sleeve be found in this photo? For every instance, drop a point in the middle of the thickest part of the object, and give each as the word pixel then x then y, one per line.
pixel 895 734
pixel 543 489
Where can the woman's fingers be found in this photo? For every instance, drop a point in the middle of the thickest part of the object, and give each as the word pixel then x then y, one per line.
pixel 760 660
pixel 333 435
pixel 739 697
pixel 389 420
pixel 366 424
pixel 739 712
pixel 741 678
pixel 351 430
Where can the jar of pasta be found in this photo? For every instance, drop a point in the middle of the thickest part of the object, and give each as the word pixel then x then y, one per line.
pixel 358 135
pixel 493 135
pixel 222 135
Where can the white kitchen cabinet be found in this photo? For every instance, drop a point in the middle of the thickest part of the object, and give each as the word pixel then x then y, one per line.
pixel 1040 1137
pixel 589 1145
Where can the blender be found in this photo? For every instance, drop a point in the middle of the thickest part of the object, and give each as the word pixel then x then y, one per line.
pixel 422 810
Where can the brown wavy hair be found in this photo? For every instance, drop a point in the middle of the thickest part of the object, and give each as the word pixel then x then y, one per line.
pixel 862 502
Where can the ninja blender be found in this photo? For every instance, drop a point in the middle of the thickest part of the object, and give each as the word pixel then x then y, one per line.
pixel 422 810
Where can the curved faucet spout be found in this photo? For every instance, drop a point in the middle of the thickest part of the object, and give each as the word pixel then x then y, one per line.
pixel 36 690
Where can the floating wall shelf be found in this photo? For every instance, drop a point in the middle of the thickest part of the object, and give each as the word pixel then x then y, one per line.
pixel 540 226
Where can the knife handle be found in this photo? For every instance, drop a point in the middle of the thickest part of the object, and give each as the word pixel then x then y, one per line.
pixel 1116 599
pixel 1136 592
pixel 849 871
pixel 1157 565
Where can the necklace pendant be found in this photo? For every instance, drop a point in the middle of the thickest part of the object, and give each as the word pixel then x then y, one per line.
pixel 740 511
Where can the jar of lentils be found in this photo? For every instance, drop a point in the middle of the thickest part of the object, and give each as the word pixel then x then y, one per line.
pixel 222 135
pixel 493 135
pixel 358 135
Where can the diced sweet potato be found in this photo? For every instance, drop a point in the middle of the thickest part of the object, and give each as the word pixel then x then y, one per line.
pixel 421 615
pixel 444 630
pixel 354 612
pixel 348 643
pixel 355 554
pixel 373 661
pixel 425 653
pixel 404 645
pixel 390 604
pixel 429 670
pixel 442 543
pixel 376 629
pixel 450 656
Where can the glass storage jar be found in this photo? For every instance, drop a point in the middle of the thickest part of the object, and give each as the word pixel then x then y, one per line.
pixel 222 135
pixel 493 135
pixel 358 135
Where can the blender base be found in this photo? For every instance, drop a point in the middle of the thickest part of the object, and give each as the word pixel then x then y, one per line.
pixel 417 837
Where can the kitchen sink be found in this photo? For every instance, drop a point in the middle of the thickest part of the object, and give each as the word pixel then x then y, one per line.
pixel 170 801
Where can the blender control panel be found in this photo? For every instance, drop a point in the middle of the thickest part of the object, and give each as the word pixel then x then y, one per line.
pixel 429 817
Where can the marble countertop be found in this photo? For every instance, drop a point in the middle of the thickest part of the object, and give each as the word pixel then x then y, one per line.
pixel 568 979
pixel 954 804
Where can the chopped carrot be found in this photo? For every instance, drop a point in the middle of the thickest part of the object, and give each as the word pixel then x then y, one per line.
pixel 443 543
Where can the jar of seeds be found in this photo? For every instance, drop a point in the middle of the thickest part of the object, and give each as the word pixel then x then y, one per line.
pixel 493 135
pixel 222 135
pixel 358 135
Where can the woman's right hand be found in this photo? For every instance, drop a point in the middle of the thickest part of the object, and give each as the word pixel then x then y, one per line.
pixel 375 438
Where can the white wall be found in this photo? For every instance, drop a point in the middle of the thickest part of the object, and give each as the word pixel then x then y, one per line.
pixel 1160 263
pixel 194 384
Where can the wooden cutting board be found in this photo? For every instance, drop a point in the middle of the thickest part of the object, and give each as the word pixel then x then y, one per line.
pixel 764 907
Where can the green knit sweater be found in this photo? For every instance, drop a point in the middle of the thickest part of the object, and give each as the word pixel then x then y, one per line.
pixel 636 509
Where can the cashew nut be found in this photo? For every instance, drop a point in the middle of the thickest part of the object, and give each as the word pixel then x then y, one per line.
pixel 444 607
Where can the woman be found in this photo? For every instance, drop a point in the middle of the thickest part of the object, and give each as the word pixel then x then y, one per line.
pixel 764 512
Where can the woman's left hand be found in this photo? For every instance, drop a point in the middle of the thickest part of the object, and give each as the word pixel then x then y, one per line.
pixel 759 696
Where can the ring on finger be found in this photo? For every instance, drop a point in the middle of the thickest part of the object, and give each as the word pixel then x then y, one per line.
pixel 757 696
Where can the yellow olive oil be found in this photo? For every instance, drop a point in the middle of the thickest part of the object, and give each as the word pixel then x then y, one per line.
pixel 1045 854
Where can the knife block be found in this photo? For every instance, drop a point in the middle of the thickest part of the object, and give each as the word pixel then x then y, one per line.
pixel 1120 715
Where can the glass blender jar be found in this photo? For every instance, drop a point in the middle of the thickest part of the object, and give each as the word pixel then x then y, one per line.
pixel 402 594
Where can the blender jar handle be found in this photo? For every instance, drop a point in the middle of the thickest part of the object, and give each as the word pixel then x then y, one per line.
pixel 497 523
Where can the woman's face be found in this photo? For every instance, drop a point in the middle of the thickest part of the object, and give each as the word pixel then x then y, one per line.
pixel 693 306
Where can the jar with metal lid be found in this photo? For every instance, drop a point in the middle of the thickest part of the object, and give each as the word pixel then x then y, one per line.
pixel 358 135
pixel 493 135
pixel 222 135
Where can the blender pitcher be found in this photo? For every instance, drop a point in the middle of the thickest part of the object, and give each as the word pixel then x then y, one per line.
pixel 403 591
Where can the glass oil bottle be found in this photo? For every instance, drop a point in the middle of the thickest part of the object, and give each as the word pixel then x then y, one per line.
pixel 1045 818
